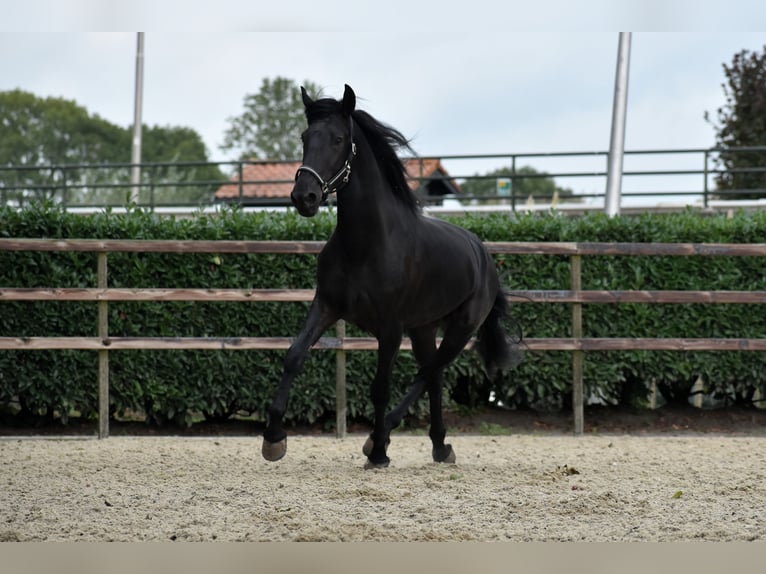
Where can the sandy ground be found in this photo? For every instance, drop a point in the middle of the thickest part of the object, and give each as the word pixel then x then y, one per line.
pixel 516 488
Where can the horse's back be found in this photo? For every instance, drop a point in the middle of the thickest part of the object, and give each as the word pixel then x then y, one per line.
pixel 455 247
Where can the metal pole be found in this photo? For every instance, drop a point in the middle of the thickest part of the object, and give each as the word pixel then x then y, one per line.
pixel 513 183
pixel 704 183
pixel 240 181
pixel 64 193
pixel 135 158
pixel 617 140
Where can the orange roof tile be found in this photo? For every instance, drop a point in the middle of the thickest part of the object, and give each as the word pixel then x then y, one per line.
pixel 261 179
pixel 275 178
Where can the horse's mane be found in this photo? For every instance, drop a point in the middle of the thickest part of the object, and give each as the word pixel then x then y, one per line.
pixel 384 142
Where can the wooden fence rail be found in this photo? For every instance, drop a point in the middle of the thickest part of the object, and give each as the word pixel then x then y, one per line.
pixel 575 296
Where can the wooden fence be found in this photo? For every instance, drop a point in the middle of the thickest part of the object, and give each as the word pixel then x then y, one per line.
pixel 575 297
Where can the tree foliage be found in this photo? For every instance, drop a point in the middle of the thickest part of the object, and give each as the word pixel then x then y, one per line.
pixel 526 182
pixel 51 144
pixel 742 123
pixel 178 184
pixel 271 123
pixel 42 132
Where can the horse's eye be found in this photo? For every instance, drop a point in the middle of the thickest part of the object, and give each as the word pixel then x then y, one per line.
pixel 338 140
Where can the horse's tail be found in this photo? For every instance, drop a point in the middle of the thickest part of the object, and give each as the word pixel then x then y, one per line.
pixel 498 349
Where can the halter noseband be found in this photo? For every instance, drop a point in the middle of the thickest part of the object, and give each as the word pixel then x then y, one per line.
pixel 333 185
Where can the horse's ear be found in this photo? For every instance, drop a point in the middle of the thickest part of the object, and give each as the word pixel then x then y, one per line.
pixel 349 101
pixel 307 101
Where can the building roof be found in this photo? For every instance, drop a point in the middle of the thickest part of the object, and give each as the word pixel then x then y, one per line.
pixel 274 179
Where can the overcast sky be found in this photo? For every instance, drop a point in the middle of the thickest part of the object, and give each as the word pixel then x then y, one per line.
pixel 456 81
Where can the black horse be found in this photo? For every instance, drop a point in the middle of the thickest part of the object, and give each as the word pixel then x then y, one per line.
pixel 389 270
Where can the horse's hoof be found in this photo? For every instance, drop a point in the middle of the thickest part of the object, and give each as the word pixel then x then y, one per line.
pixel 368 444
pixel 367 450
pixel 444 454
pixel 372 465
pixel 273 451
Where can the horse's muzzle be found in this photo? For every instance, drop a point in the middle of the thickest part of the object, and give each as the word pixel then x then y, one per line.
pixel 305 201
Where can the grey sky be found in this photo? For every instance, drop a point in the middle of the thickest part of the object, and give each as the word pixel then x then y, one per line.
pixel 457 81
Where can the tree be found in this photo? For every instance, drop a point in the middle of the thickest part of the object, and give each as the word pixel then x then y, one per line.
pixel 49 145
pixel 271 125
pixel 37 133
pixel 527 181
pixel 177 183
pixel 742 123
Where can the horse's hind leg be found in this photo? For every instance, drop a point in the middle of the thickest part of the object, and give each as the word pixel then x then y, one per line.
pixel 376 445
pixel 441 452
pixel 429 378
pixel 456 336
pixel 424 349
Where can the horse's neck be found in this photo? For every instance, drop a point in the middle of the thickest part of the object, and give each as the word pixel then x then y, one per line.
pixel 368 213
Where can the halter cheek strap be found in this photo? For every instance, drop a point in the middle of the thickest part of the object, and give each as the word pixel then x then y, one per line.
pixel 341 177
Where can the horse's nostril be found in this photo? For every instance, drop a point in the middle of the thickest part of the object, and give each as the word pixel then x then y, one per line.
pixel 305 200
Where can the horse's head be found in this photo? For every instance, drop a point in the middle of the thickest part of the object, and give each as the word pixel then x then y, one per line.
pixel 328 150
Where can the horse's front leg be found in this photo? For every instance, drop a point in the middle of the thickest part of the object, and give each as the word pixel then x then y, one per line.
pixel 318 320
pixel 380 391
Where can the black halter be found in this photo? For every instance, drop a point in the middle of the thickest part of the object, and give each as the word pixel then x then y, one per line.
pixel 333 185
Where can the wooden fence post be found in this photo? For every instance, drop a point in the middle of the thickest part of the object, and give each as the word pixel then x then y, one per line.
pixel 103 354
pixel 577 355
pixel 340 381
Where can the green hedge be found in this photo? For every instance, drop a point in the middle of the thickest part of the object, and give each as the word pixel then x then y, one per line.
pixel 174 385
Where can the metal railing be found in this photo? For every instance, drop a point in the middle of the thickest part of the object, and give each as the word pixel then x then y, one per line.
pixel 685 174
